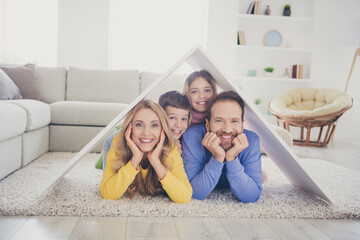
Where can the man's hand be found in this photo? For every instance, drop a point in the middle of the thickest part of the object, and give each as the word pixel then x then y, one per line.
pixel 239 144
pixel 212 142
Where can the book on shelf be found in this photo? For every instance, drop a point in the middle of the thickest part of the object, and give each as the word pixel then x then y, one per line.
pixel 241 38
pixel 254 8
pixel 297 71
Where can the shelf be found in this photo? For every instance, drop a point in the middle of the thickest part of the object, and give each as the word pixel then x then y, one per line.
pixel 275 18
pixel 250 47
pixel 268 79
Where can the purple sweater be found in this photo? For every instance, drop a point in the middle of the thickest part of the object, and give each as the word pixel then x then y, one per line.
pixel 242 175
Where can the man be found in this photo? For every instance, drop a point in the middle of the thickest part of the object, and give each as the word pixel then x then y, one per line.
pixel 221 154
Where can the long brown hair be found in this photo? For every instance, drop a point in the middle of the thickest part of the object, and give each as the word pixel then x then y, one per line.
pixel 199 74
pixel 150 185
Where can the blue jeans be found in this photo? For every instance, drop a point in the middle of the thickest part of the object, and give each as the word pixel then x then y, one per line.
pixel 106 148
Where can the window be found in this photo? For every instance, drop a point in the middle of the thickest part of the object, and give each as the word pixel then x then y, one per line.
pixel 153 35
pixel 28 31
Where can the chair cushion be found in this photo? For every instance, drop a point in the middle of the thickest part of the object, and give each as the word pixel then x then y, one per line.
pixel 310 102
pixel 12 120
pixel 118 86
pixel 84 113
pixel 52 83
pixel 8 89
pixel 25 80
pixel 38 113
pixel 174 82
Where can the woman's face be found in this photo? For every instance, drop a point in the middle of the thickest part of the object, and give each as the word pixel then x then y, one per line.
pixel 146 129
pixel 200 93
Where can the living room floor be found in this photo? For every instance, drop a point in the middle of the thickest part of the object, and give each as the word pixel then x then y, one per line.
pixel 344 153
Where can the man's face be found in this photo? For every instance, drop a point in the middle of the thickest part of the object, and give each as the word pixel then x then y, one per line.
pixel 225 122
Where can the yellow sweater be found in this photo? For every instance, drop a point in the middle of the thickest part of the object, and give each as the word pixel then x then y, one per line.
pixel 175 183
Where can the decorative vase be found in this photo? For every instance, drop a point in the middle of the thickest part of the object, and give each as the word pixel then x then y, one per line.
pixel 269 74
pixel 287 13
pixel 267 10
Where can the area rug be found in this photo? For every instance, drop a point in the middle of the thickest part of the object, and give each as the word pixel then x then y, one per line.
pixel 77 194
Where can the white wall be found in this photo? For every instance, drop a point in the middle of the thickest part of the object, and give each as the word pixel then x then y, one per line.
pixel 332 59
pixel 83 38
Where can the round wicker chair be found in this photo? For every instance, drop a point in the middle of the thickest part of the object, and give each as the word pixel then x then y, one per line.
pixel 309 108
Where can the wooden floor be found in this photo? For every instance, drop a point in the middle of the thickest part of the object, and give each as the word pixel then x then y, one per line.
pixel 346 154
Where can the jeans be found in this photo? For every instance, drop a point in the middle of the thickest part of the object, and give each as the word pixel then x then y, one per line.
pixel 106 148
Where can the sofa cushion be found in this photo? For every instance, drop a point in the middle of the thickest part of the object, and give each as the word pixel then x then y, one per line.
pixel 121 86
pixel 52 83
pixel 84 113
pixel 173 82
pixel 12 120
pixel 8 89
pixel 38 113
pixel 24 78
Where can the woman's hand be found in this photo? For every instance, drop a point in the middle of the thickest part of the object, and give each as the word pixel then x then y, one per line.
pixel 136 152
pixel 154 157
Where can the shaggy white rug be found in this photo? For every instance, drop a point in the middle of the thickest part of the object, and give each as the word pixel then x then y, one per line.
pixel 77 194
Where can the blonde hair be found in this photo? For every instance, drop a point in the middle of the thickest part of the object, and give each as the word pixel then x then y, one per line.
pixel 199 74
pixel 150 185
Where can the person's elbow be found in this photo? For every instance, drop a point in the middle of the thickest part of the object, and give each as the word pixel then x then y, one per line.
pixel 250 197
pixel 199 195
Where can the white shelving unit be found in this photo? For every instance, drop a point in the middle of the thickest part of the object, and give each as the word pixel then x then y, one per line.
pixel 226 18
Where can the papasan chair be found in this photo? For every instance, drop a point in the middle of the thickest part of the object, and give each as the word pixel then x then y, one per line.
pixel 309 108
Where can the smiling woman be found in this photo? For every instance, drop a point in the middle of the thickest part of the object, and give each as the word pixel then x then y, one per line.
pixel 144 145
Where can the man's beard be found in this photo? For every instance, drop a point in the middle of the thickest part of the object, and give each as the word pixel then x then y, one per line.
pixel 226 145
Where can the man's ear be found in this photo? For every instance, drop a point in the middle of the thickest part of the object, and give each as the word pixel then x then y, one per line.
pixel 207 124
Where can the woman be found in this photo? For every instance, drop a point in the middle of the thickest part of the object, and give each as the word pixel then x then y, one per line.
pixel 144 145
pixel 200 88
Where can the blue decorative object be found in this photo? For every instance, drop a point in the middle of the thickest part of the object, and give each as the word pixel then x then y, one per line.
pixel 251 73
pixel 272 38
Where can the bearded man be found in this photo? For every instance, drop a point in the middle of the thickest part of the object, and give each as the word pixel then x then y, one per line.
pixel 221 153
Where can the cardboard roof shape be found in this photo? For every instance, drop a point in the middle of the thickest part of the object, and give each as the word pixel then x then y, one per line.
pixel 271 143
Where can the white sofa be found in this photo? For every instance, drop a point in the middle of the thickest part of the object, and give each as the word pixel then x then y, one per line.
pixel 74 106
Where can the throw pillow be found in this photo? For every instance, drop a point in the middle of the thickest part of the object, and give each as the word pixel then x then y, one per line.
pixel 8 89
pixel 24 78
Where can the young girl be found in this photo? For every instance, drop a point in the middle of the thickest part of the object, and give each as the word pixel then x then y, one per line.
pixel 200 88
pixel 144 159
pixel 177 109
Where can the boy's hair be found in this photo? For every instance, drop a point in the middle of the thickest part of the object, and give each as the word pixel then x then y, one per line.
pixel 226 96
pixel 174 99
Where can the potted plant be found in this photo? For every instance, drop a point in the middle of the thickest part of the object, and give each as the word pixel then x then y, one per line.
pixel 287 11
pixel 269 71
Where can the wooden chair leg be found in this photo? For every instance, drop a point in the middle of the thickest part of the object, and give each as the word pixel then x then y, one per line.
pixel 301 134
pixel 326 135
pixel 320 133
pixel 307 141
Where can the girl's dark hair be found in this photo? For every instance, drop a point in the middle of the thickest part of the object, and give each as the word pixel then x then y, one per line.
pixel 199 74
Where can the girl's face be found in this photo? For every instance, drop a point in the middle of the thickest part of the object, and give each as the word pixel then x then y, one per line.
pixel 178 120
pixel 200 93
pixel 146 129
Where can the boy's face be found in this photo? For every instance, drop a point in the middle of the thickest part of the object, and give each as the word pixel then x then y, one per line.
pixel 178 120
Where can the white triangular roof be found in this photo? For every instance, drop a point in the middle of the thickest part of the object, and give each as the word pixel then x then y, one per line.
pixel 271 143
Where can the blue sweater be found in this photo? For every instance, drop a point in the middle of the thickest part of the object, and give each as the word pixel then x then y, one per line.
pixel 242 175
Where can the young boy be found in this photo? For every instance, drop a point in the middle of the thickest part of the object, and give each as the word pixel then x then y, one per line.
pixel 177 108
